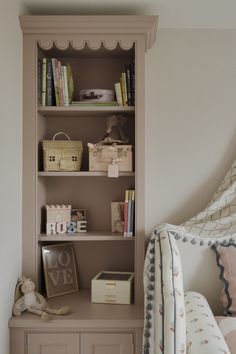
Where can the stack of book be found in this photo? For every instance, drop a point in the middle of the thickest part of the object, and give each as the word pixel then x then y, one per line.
pixel 55 83
pixel 125 89
pixel 129 213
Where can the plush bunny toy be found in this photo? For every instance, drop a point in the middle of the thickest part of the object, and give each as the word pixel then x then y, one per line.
pixel 26 298
pixel 114 130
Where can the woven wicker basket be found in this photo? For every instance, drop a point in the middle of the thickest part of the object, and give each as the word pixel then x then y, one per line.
pixel 62 155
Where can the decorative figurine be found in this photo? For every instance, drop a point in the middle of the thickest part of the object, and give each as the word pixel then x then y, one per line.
pixel 114 131
pixel 27 299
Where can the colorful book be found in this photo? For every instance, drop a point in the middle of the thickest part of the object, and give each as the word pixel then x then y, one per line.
pixel 118 94
pixel 129 213
pixel 44 69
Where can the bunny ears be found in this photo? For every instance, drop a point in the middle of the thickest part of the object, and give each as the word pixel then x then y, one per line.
pixel 18 292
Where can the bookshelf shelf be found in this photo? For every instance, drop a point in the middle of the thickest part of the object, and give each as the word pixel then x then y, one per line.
pixel 88 236
pixel 84 313
pixel 82 111
pixel 82 174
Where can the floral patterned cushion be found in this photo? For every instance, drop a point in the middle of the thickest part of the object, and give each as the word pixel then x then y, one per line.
pixel 203 333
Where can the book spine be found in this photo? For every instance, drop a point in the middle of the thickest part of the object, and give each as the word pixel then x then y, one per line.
pixel 49 83
pixel 66 86
pixel 60 84
pixel 118 94
pixel 132 76
pixel 54 71
pixel 39 81
pixel 125 89
pixel 128 84
pixel 44 82
pixel 126 213
pixel 129 214
pixel 63 85
pixel 132 213
pixel 122 84
pixel 70 82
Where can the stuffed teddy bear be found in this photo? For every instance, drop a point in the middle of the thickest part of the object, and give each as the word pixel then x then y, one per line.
pixel 27 299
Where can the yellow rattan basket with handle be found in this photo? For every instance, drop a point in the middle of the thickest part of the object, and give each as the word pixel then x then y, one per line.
pixel 62 155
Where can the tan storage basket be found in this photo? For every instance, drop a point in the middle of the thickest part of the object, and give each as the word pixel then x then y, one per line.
pixel 62 155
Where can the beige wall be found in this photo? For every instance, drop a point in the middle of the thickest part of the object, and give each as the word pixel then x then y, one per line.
pixel 191 139
pixel 10 157
pixel 191 132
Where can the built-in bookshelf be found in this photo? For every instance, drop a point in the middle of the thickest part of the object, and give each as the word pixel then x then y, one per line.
pixel 98 49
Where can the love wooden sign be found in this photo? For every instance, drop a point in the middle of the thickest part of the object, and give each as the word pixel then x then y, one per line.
pixel 59 269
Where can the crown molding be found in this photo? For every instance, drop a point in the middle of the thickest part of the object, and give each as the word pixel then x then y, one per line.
pixel 115 25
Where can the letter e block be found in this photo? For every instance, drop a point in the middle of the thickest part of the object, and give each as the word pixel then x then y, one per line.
pixel 82 226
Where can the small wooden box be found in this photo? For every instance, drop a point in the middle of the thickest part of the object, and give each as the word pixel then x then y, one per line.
pixel 100 156
pixel 113 287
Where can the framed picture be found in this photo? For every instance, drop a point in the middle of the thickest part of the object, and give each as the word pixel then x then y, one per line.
pixel 78 214
pixel 59 269
pixel 117 217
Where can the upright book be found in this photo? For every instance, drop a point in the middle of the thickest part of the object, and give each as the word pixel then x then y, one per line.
pixel 44 69
pixel 129 214
pixel 40 65
pixel 49 83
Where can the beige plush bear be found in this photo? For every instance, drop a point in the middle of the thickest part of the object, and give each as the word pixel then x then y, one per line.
pixel 27 299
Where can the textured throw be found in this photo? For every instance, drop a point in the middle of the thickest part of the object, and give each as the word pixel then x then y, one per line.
pixel 215 225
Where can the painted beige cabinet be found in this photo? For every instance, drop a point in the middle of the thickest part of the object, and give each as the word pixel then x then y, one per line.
pixel 98 49
pixel 85 343
pixel 45 343
pixel 107 344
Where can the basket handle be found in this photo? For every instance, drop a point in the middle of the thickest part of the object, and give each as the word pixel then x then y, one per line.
pixel 60 133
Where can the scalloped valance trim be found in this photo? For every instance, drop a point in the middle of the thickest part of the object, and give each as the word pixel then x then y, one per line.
pixel 180 233
pixel 115 26
pixel 80 44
